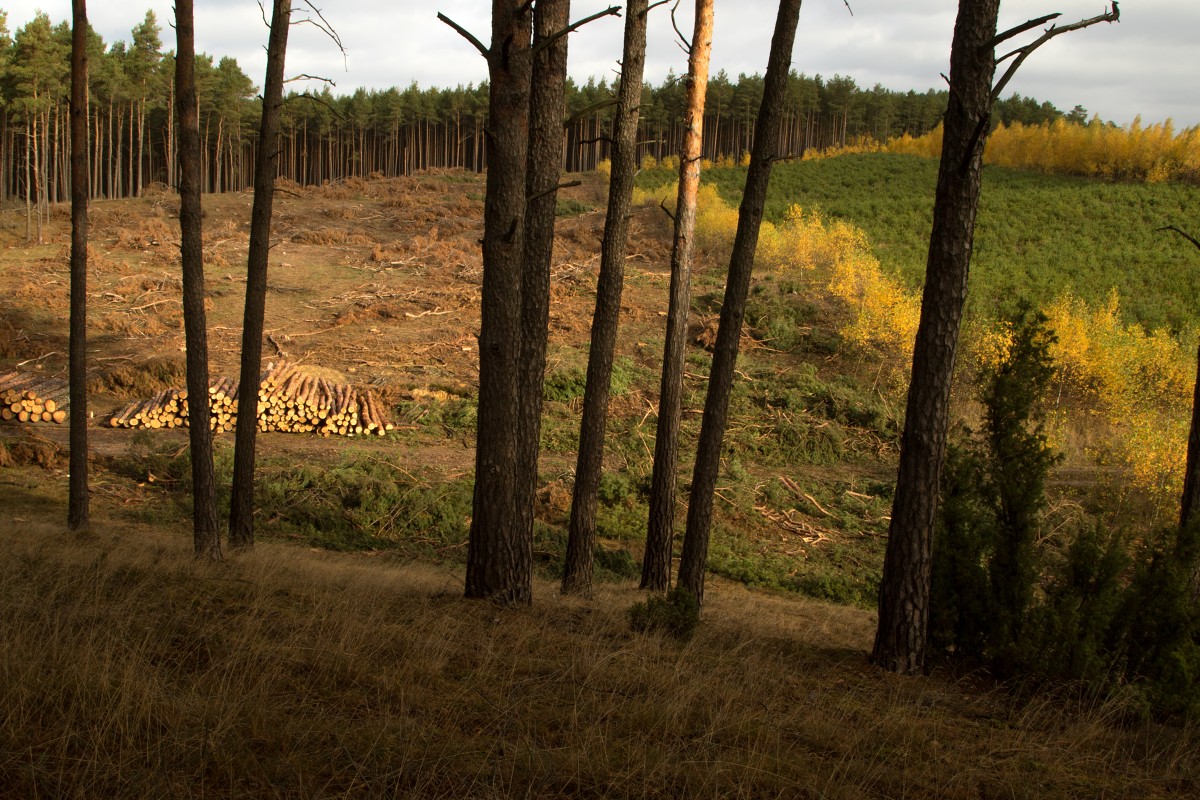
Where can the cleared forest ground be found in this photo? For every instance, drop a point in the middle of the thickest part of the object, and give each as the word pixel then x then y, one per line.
pixel 130 671
pixel 377 282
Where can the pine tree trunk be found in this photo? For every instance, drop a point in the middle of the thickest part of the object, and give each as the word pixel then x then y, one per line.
pixel 904 593
pixel 218 159
pixel 733 307
pixel 97 151
pixel 29 147
pixel 54 173
pixel 78 516
pixel 39 187
pixel 133 151
pixel 241 515
pixel 206 537
pixel 499 559
pixel 169 155
pixel 581 538
pixel 546 108
pixel 1191 477
pixel 656 565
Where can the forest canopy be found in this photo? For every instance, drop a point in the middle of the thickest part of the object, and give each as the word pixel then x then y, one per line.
pixel 328 136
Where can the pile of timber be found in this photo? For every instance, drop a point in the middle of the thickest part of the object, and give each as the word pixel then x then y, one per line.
pixel 33 398
pixel 290 399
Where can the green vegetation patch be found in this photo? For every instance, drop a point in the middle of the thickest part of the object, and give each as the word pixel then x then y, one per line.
pixel 1038 235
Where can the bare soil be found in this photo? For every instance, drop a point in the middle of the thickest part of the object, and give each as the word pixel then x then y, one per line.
pixel 375 281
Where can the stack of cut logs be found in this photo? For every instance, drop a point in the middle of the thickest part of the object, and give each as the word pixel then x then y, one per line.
pixel 30 398
pixel 289 399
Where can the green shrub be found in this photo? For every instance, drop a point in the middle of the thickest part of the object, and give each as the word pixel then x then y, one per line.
pixel 677 614
pixel 1160 632
pixel 1070 634
pixel 1034 613
pixel 564 386
pixel 615 564
pixel 994 491
pixel 569 207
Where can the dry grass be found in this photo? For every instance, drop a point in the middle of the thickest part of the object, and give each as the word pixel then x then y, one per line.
pixel 131 671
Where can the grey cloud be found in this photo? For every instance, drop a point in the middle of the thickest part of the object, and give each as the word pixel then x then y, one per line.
pixel 1147 64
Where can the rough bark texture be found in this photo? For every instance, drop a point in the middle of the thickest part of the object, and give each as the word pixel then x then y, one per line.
pixel 733 307
pixel 205 534
pixel 547 102
pixel 241 515
pixel 581 537
pixel 1191 475
pixel 656 564
pixel 904 593
pixel 1190 499
pixel 77 498
pixel 499 558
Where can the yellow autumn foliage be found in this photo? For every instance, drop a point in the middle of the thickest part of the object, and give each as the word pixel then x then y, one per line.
pixel 1151 153
pixel 857 146
pixel 884 314
pixel 1141 382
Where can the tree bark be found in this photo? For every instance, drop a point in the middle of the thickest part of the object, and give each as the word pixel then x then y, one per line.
pixel 547 103
pixel 581 537
pixel 205 533
pixel 656 564
pixel 241 517
pixel 733 308
pixel 499 558
pixel 1191 476
pixel 904 593
pixel 78 516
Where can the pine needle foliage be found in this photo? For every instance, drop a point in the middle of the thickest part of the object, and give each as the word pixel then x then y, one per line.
pixel 1097 611
pixel 986 574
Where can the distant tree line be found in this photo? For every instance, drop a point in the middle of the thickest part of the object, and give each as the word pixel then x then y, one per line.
pixel 390 132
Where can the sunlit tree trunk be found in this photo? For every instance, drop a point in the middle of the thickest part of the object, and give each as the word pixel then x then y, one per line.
pixel 656 564
pixel 765 150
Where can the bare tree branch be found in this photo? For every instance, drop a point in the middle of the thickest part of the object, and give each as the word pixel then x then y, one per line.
pixel 322 24
pixel 611 11
pixel 1024 26
pixel 1185 235
pixel 684 43
pixel 653 6
pixel 313 98
pixel 848 8
pixel 304 76
pixel 553 189
pixel 1022 53
pixel 466 34
pixel 583 142
pixel 594 107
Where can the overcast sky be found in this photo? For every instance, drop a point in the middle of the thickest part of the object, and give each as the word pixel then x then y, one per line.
pixel 1148 64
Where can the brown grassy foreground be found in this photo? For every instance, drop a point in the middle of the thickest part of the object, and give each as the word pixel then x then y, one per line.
pixel 128 670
